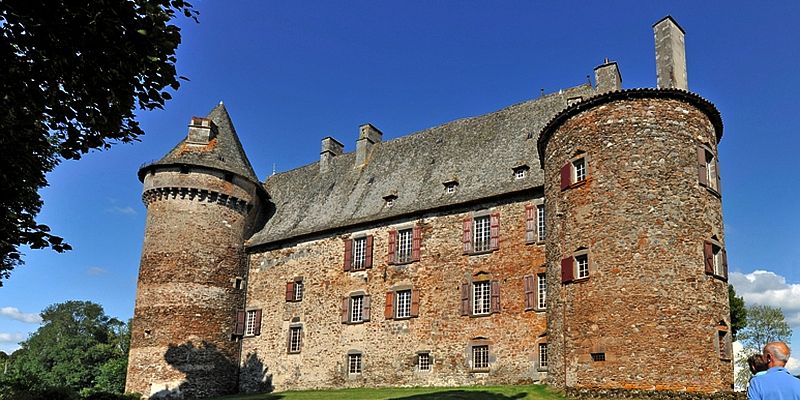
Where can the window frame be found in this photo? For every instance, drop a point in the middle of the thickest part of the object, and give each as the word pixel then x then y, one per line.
pixel 356 309
pixel 541 291
pixel 708 174
pixel 485 229
pixel 541 357
pixel 405 247
pixel 576 171
pixel 480 352
pixel 570 266
pixel 399 306
pixel 485 289
pixel 581 266
pixel 250 323
pixel 429 361
pixel 295 340
pixel 355 364
pixel 715 259
pixel 541 229
pixel 359 260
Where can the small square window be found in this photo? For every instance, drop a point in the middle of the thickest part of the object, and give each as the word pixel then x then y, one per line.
pixel 481 298
pixel 597 357
pixel 424 361
pixel 480 357
pixel 353 364
pixel 294 339
pixel 403 306
pixel 581 266
pixel 542 355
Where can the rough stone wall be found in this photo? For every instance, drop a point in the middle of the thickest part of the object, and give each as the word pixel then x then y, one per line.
pixel 647 304
pixel 389 347
pixel 186 300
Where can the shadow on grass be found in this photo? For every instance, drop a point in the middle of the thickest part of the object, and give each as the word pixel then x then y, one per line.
pixel 461 395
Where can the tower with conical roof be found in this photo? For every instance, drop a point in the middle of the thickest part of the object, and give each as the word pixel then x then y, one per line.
pixel 203 200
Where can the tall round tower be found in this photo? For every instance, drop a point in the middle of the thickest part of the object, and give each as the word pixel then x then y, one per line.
pixel 203 200
pixel 637 273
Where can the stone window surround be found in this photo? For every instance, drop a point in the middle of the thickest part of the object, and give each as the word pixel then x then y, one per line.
pixel 720 258
pixel 365 305
pixel 541 359
pixel 582 252
pixel 479 342
pixel 354 362
pixel 295 327
pixel 494 285
pixel 579 154
pixel 250 322
pixel 393 292
pixel 419 363
pixel 404 257
pixel 533 230
pixel 295 290
pixel 710 168
pixel 483 213
pixel 723 339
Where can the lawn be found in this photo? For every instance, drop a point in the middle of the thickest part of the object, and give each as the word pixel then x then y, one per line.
pixel 538 392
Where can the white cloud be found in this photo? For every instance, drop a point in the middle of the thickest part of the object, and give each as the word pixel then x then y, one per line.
pixel 769 288
pixel 96 271
pixel 11 337
pixel 15 313
pixel 793 365
pixel 127 210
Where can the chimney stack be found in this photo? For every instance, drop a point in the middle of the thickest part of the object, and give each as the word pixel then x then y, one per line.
pixel 367 136
pixel 607 77
pixel 330 148
pixel 670 54
pixel 201 131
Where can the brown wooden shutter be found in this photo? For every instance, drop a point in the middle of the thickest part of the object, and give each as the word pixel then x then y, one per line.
pixel 365 314
pixel 238 327
pixel 368 253
pixel 465 303
pixel 289 340
pixel 530 223
pixel 702 172
pixel 567 270
pixel 416 243
pixel 494 231
pixel 529 285
pixel 566 176
pixel 725 264
pixel 257 323
pixel 391 257
pixel 466 238
pixel 716 168
pixel 495 287
pixel 345 310
pixel 388 310
pixel 708 257
pixel 348 254
pixel 414 303
pixel 290 291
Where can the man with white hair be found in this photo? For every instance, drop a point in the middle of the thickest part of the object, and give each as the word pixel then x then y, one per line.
pixel 777 383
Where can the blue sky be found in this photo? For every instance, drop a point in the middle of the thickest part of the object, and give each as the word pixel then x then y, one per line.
pixel 291 73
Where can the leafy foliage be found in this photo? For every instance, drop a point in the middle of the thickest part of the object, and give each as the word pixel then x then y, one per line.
pixel 74 72
pixel 764 324
pixel 738 311
pixel 78 349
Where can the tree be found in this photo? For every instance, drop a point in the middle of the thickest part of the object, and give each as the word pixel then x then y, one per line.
pixel 78 347
pixel 738 311
pixel 74 72
pixel 764 324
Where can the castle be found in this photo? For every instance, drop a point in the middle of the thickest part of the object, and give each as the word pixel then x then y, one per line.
pixel 575 239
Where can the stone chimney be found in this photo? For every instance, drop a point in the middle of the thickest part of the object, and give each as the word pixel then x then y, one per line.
pixel 201 131
pixel 607 77
pixel 330 148
pixel 367 136
pixel 670 54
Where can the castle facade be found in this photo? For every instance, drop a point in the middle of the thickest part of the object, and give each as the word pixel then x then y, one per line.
pixel 575 239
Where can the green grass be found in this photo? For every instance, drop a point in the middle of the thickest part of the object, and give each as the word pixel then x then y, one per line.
pixel 537 392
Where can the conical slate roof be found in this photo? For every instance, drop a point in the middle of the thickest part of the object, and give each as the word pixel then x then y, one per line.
pixel 223 152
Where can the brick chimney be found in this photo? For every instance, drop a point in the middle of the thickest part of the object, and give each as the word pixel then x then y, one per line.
pixel 670 54
pixel 330 148
pixel 607 77
pixel 201 131
pixel 367 136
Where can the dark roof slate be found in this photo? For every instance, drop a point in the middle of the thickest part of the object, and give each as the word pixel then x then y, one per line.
pixel 224 152
pixel 478 152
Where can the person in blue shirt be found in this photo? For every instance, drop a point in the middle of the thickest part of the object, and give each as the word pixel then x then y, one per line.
pixel 777 383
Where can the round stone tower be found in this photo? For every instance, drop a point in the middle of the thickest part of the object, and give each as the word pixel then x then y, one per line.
pixel 636 267
pixel 203 200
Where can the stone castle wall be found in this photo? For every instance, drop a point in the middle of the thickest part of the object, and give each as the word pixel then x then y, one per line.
pixel 642 219
pixel 389 347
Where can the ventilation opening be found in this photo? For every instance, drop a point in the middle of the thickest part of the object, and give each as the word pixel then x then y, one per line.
pixel 598 356
pixel 228 177
pixel 238 283
pixel 148 333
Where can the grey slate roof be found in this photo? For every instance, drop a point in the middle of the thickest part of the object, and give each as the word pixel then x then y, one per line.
pixel 224 153
pixel 479 153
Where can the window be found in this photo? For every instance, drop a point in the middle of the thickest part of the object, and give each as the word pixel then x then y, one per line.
pixel 543 356
pixel 723 341
pixel 708 169
pixel 540 232
pixel 534 223
pixel 481 298
pixel 238 283
pixel 358 253
pixel 404 246
pixel 575 172
pixel 403 304
pixel 450 187
pixel 295 339
pixel 598 357
pixel 354 364
pixel 253 323
pixel 574 100
pixel 481 233
pixel 541 291
pixel 424 361
pixel 480 357
pixel 575 267
pixel 520 172
pixel 294 290
pixel 716 259
pixel 390 200
pixel 582 263
pixel 356 308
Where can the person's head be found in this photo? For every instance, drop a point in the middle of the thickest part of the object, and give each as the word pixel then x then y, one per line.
pixel 757 363
pixel 776 354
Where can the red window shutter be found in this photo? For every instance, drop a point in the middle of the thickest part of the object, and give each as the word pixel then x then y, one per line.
pixel 257 323
pixel 567 270
pixel 238 328
pixel 392 246
pixel 368 253
pixel 348 254
pixel 366 309
pixel 530 223
pixel 465 303
pixel 416 243
pixel 495 287
pixel 414 303
pixel 702 172
pixel 725 264
pixel 494 231
pixel 466 238
pixel 708 257
pixel 289 291
pixel 529 286
pixel 566 176
pixel 345 310
pixel 388 310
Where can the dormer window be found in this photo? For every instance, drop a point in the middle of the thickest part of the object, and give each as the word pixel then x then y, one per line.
pixel 450 186
pixel 521 171
pixel 390 200
pixel 574 100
